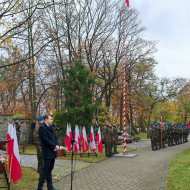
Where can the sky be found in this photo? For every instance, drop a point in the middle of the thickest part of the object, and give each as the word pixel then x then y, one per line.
pixel 168 22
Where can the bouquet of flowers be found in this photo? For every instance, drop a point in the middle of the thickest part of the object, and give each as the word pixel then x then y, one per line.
pixel 2 159
pixel 61 148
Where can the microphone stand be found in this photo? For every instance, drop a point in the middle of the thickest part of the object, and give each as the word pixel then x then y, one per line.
pixel 72 142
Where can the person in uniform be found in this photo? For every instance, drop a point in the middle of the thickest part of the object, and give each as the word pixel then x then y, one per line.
pixel 159 135
pixel 111 139
pixel 169 134
pixel 186 133
pixel 165 135
pixel 17 126
pixel 153 137
pixel 36 140
pixel 107 138
pixel 115 138
pixel 180 134
pixel 175 133
pixel 163 140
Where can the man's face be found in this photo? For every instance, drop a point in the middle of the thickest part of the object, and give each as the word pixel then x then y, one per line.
pixel 106 123
pixel 49 120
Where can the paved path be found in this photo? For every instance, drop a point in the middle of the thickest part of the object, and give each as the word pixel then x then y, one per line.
pixel 62 167
pixel 144 172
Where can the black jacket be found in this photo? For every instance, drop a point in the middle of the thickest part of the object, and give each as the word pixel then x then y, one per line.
pixel 48 140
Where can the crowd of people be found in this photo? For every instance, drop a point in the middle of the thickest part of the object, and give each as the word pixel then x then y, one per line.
pixel 110 136
pixel 167 134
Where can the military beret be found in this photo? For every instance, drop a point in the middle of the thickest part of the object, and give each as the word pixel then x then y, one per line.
pixel 151 124
pixel 16 119
pixel 40 118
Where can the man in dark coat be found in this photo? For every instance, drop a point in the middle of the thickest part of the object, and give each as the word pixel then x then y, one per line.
pixel 50 146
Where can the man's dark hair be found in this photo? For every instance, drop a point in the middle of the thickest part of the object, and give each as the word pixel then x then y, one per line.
pixel 46 116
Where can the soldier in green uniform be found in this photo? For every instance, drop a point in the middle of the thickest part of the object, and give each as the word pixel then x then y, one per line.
pixel 157 136
pixel 38 145
pixel 165 134
pixel 111 140
pixel 107 134
pixel 181 135
pixel 152 138
pixel 158 132
pixel 169 134
pixel 115 138
pixel 186 133
pixel 17 126
pixel 175 134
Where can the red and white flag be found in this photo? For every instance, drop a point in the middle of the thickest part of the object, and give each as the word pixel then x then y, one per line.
pixel 68 138
pixel 70 132
pixel 77 139
pixel 99 140
pixel 188 125
pixel 92 141
pixel 13 150
pixel 127 1
pixel 84 140
pixel 10 143
pixel 161 121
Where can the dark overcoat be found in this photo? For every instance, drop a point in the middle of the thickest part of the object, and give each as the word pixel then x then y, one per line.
pixel 49 141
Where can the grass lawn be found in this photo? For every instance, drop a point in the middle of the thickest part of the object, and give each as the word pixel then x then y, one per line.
pixel 178 176
pixel 29 149
pixel 142 135
pixel 92 158
pixel 28 181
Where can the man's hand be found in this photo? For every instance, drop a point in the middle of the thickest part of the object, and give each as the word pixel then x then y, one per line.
pixel 56 148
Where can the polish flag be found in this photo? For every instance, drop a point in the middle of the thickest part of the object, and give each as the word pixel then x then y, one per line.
pixel 92 141
pixel 84 140
pixel 9 137
pixel 77 139
pixel 67 139
pixel 13 152
pixel 99 140
pixel 161 121
pixel 127 1
pixel 70 132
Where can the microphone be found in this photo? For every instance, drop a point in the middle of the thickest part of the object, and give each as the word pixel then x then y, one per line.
pixel 55 127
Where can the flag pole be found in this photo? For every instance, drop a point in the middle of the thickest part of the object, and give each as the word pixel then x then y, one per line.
pixel 10 169
pixel 124 73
